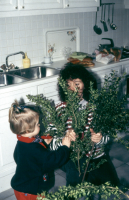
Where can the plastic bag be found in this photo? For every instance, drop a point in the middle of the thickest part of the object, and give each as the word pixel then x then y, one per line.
pixel 104 58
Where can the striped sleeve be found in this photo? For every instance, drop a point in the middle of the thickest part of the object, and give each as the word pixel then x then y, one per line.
pixel 55 144
pixel 104 140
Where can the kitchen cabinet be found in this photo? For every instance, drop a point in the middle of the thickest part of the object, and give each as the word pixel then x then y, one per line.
pixel 13 8
pixel 120 69
pixel 7 145
pixel 6 99
pixel 39 4
pixel 126 4
pixel 100 73
pixel 49 91
pixel 8 5
pixel 81 3
pixel 125 82
pixel 7 138
pixel 125 69
pixel 11 5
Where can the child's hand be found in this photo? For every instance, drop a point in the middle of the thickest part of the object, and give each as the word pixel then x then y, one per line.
pixel 71 134
pixel 95 137
pixel 66 141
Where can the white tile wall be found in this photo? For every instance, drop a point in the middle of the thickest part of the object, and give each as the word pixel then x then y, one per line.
pixel 26 33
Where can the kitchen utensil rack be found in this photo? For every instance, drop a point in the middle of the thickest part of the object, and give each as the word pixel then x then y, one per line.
pixel 106 4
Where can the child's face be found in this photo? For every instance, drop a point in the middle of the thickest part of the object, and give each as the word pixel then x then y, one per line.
pixel 76 83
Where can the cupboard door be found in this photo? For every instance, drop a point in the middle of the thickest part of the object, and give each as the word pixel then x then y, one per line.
pixel 81 3
pixel 126 80
pixel 8 5
pixel 126 4
pixel 100 75
pixel 49 90
pixel 7 138
pixel 126 83
pixel 7 144
pixel 6 99
pixel 39 4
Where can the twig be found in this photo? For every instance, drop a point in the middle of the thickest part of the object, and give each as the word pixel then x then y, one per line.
pixel 78 162
pixel 120 192
pixel 74 116
pixel 88 162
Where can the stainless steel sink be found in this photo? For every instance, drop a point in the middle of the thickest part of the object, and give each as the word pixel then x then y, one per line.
pixel 35 72
pixel 21 75
pixel 7 79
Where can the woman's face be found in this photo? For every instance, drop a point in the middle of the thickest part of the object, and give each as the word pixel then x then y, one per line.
pixel 76 84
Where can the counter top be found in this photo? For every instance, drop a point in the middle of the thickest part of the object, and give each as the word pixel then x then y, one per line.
pixel 58 65
pixel 98 65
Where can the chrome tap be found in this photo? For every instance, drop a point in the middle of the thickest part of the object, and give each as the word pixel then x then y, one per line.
pixel 20 52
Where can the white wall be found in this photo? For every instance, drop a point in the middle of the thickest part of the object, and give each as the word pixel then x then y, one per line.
pixel 26 33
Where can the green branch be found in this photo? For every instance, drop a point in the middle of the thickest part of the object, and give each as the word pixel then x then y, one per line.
pixel 84 190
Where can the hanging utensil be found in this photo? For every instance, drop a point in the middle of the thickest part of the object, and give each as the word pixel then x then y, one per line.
pixel 104 22
pixel 108 15
pixel 96 28
pixel 112 25
pixel 101 15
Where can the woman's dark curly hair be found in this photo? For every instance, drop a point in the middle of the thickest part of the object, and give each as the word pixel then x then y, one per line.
pixel 74 71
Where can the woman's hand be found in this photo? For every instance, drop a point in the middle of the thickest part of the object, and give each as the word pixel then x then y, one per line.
pixel 71 134
pixel 95 137
pixel 66 141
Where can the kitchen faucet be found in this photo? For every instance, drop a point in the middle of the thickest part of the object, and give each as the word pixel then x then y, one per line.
pixel 20 52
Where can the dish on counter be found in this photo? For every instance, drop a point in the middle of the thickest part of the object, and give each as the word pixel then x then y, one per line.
pixel 47 63
pixel 1 85
pixel 86 62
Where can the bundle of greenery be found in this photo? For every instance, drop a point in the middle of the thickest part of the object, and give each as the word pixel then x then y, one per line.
pixel 110 117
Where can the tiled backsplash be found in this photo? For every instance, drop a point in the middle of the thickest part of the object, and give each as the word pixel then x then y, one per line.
pixel 26 33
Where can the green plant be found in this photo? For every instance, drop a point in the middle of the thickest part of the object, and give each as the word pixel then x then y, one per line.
pixel 109 118
pixel 84 190
pixel 110 115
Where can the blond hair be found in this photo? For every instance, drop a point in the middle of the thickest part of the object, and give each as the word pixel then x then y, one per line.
pixel 22 119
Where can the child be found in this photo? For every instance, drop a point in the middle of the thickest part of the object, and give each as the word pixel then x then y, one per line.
pixel 33 161
pixel 79 77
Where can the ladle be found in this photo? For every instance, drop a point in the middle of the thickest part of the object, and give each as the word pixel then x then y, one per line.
pixel 108 15
pixel 96 28
pixel 112 25
pixel 104 22
pixel 101 15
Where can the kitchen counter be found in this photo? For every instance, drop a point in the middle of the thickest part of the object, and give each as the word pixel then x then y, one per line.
pixel 98 68
pixel 98 65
